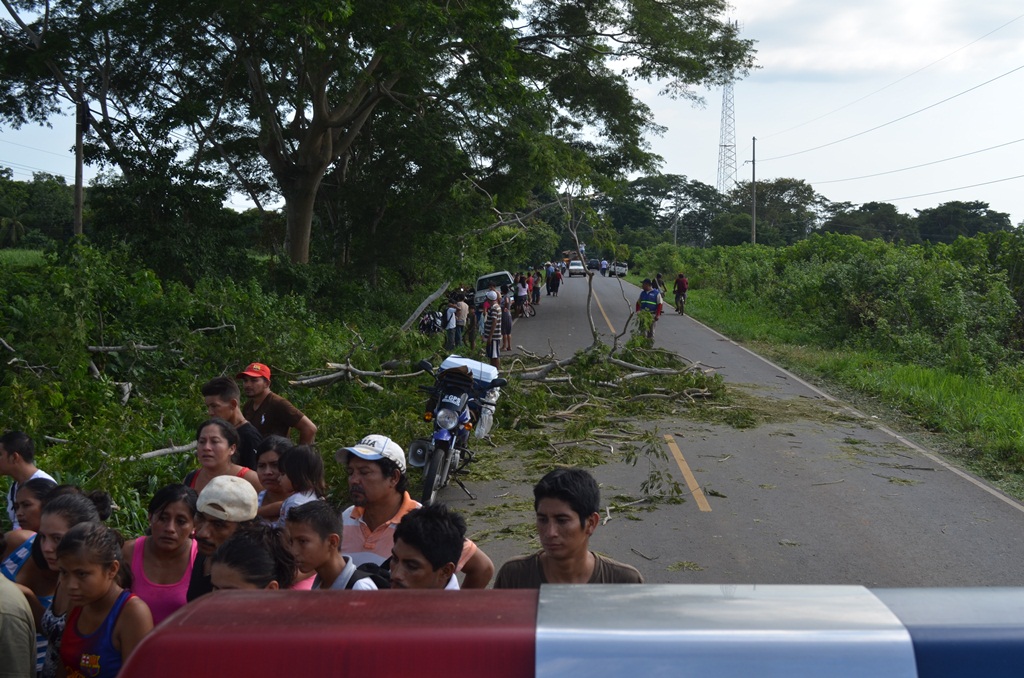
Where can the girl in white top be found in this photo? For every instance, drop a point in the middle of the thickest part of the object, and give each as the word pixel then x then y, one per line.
pixel 302 475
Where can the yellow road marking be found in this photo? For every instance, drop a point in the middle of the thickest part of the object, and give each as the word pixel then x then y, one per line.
pixel 691 481
pixel 603 314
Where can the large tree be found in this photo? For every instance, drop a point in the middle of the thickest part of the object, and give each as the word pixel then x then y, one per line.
pixel 279 93
pixel 950 220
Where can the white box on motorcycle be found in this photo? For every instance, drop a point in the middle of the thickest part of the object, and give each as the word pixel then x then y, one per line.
pixel 483 375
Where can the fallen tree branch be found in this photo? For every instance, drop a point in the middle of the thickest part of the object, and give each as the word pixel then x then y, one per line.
pixel 130 346
pixel 426 302
pixel 213 329
pixel 543 371
pixel 174 449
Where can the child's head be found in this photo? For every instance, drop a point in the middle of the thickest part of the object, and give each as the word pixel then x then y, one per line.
pixel 428 545
pixel 89 562
pixel 304 468
pixel 314 534
pixel 255 557
pixel 60 513
pixel 268 454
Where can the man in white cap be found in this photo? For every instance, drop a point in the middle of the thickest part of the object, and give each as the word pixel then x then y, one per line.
pixel 378 487
pixel 492 329
pixel 268 412
pixel 226 504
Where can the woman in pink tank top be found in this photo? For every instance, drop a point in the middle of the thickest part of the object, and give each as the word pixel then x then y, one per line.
pixel 161 563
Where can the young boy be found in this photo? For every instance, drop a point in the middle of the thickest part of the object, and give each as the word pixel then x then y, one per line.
pixel 17 460
pixel 222 396
pixel 314 535
pixel 428 544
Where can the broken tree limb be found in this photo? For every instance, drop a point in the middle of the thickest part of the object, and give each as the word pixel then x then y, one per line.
pixel 174 449
pixel 543 371
pixel 213 329
pixel 426 302
pixel 130 346
pixel 347 371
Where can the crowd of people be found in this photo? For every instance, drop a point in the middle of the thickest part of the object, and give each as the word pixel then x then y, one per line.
pixel 76 597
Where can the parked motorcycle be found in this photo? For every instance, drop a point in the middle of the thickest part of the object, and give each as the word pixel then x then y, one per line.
pixel 461 397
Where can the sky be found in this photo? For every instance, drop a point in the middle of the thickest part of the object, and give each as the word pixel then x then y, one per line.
pixel 830 71
pixel 875 86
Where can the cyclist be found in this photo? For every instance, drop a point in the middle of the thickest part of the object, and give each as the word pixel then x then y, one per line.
pixel 681 286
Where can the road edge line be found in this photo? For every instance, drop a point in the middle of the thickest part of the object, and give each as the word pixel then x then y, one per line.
pixel 995 492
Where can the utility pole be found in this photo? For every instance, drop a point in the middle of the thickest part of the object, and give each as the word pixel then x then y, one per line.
pixel 81 121
pixel 753 193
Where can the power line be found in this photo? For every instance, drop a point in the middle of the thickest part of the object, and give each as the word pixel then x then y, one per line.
pixel 898 81
pixel 66 156
pixel 903 117
pixel 950 190
pixel 26 169
pixel 926 164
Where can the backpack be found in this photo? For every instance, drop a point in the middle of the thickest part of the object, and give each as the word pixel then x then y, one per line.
pixel 380 574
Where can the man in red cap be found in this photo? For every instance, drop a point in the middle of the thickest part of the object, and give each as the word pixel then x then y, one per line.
pixel 268 412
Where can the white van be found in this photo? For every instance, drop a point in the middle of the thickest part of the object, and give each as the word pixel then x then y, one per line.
pixel 484 282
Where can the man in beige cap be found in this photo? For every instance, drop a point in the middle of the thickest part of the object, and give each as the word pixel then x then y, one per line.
pixel 268 412
pixel 226 504
pixel 378 486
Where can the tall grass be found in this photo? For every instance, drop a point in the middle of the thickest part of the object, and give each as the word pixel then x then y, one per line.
pixel 20 258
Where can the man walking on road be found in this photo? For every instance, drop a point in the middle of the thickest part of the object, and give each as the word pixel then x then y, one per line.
pixel 650 300
pixel 604 267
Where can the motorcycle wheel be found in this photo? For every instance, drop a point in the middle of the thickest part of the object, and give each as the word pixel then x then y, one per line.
pixel 436 475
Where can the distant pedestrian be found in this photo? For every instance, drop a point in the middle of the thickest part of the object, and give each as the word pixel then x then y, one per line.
pixel 650 301
pixel 450 323
pixel 506 322
pixel 492 329
pixel 604 267
pixel 461 318
pixel 556 282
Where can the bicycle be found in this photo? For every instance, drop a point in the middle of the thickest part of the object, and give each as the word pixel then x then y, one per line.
pixel 681 303
pixel 527 310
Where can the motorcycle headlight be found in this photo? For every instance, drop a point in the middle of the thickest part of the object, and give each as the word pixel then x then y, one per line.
pixel 448 419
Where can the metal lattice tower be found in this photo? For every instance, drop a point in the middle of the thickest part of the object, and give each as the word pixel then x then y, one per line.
pixel 727 143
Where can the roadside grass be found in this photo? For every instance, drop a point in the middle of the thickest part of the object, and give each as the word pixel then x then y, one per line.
pixel 743 321
pixel 21 258
pixel 981 420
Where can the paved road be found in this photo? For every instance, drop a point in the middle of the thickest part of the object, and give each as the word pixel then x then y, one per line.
pixel 822 495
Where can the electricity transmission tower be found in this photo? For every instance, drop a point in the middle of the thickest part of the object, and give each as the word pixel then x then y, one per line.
pixel 727 143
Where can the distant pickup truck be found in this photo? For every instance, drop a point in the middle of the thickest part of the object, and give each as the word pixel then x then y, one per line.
pixel 619 268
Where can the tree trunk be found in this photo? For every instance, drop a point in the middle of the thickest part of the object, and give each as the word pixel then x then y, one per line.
pixel 299 200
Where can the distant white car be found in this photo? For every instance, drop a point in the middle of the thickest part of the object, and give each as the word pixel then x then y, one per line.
pixel 619 268
pixel 576 268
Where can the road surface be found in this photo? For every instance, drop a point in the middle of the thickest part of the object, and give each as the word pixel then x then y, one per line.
pixel 822 495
